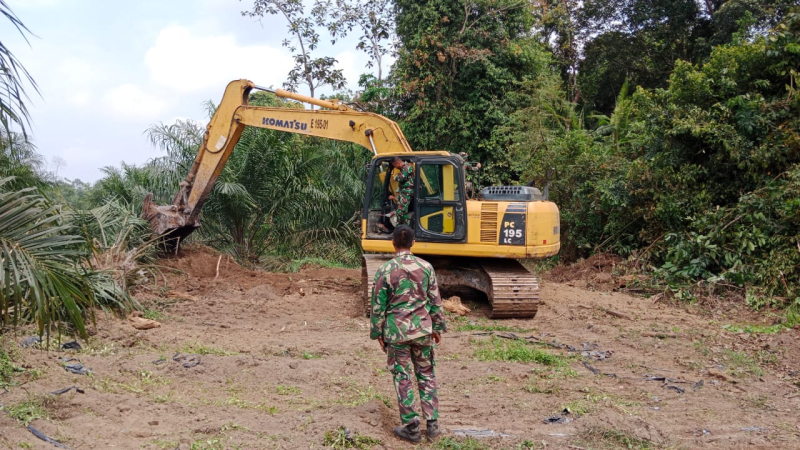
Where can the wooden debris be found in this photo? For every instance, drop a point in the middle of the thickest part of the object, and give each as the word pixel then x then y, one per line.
pixel 140 323
pixel 615 314
pixel 718 374
pixel 659 335
pixel 478 433
pixel 454 305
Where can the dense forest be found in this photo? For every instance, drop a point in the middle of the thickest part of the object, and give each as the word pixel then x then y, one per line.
pixel 668 130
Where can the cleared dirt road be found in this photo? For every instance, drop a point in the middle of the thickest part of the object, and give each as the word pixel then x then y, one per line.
pixel 285 358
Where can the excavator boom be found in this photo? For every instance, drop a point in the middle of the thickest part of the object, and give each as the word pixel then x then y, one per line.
pixel 376 133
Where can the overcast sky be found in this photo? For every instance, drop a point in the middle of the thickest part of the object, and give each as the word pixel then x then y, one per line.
pixel 108 69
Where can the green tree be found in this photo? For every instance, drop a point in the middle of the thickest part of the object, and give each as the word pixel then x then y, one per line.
pixel 20 160
pixel 13 98
pixel 617 124
pixel 373 19
pixel 459 70
pixel 559 26
pixel 640 40
pixel 309 71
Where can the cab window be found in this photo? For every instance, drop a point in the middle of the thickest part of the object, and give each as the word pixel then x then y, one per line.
pixel 437 192
pixel 378 186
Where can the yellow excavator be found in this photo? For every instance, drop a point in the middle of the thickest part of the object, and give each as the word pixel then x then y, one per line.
pixel 471 243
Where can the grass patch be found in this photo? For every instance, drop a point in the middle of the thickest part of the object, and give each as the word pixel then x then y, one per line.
pixel 767 357
pixel 742 364
pixel 7 368
pixel 298 264
pixel 555 372
pixel 453 443
pixel 106 350
pixel 596 438
pixel 538 387
pixel 495 379
pixel 209 444
pixel 754 329
pixel 758 401
pixel 341 438
pixel 528 445
pixel 287 390
pixel 163 398
pixel 153 314
pixel 29 410
pixel 165 444
pixel 143 384
pixel 356 395
pixel 200 349
pixel 498 349
pixel 466 324
pixel 577 407
pixel 238 402
pixel 600 397
pixel 309 355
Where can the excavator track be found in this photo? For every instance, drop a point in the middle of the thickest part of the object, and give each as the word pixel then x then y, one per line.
pixel 512 290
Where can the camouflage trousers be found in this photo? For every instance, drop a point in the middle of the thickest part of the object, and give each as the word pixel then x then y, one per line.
pixel 403 204
pixel 401 357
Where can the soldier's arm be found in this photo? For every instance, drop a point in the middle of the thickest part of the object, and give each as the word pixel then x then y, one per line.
pixel 435 305
pixel 380 298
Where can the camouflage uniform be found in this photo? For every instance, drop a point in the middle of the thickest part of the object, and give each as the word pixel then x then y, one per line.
pixel 405 190
pixel 406 310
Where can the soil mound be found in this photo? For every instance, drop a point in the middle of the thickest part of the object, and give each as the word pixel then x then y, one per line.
pixel 596 272
pixel 201 262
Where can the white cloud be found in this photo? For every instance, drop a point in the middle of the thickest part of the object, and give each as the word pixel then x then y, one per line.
pixel 186 62
pixel 347 62
pixel 130 100
pixel 75 71
pixel 79 98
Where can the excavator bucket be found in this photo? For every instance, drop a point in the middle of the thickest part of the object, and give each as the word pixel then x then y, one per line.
pixel 167 221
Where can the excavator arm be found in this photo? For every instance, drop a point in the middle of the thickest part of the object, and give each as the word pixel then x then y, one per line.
pixel 376 133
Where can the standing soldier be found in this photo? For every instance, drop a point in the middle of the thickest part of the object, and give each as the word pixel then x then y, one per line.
pixel 405 189
pixel 407 320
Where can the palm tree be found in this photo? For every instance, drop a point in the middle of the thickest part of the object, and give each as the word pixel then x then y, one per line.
pixel 13 74
pixel 279 194
pixel 617 124
pixel 19 159
pixel 41 275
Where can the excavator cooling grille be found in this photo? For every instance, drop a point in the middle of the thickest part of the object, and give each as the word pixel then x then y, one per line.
pixel 489 223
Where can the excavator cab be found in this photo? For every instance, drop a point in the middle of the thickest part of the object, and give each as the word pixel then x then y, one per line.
pixel 437 206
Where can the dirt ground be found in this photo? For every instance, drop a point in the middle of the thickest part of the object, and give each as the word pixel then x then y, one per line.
pixel 285 358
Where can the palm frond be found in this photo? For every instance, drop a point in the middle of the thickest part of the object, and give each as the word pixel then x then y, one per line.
pixel 13 98
pixel 41 276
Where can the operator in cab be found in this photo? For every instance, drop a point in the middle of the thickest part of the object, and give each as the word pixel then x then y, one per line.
pixel 405 189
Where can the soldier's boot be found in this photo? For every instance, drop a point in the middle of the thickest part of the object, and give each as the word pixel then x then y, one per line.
pixel 432 431
pixel 409 432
